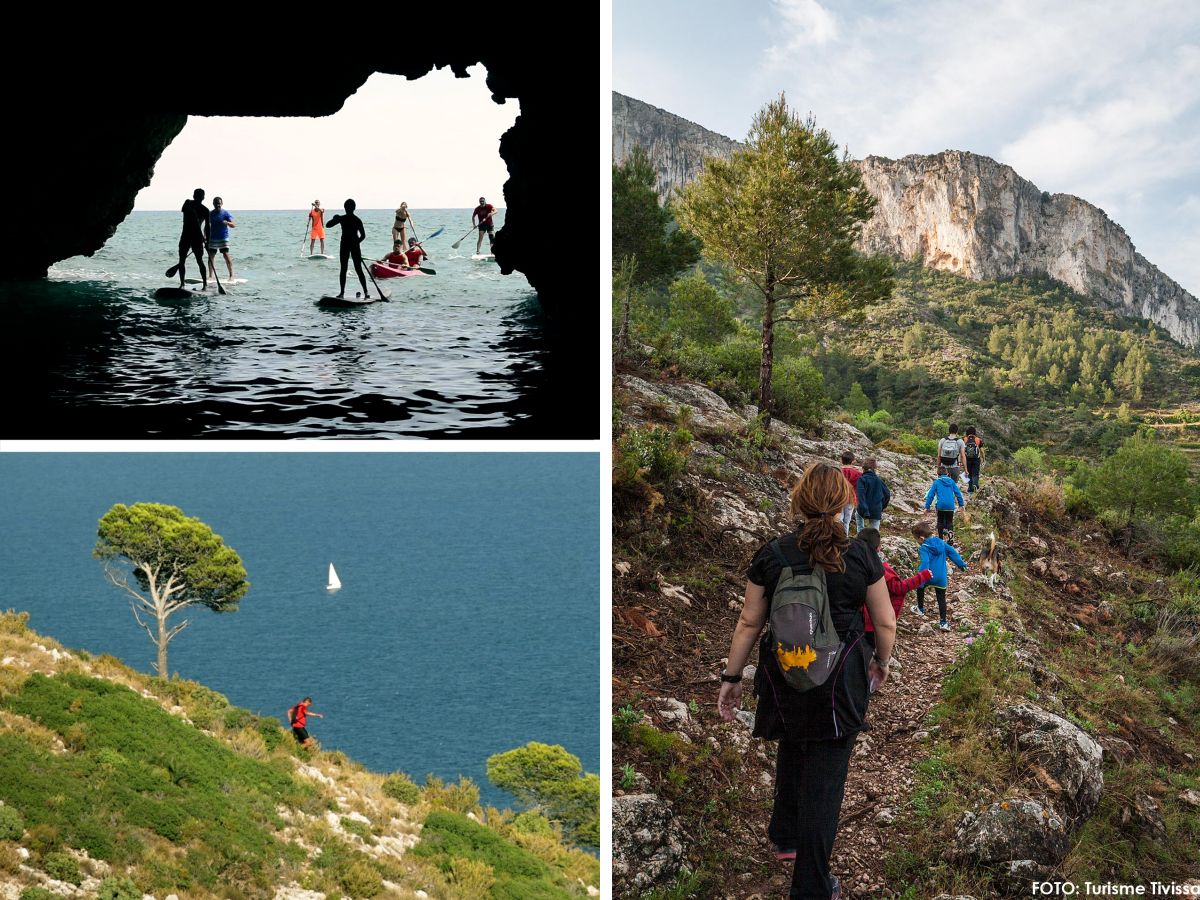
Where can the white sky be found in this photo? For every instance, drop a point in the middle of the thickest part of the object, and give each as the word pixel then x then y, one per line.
pixel 1097 98
pixel 433 142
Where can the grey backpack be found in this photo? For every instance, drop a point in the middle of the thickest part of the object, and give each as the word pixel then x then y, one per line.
pixel 801 637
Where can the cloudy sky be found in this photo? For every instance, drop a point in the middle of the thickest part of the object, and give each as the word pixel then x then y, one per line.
pixel 1099 99
pixel 434 142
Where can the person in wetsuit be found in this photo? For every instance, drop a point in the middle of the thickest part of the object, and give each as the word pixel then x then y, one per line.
pixel 353 234
pixel 194 236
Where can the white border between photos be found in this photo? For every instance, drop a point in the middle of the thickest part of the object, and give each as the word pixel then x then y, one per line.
pixel 606 375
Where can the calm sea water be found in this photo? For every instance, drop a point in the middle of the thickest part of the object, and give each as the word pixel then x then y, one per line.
pixel 467 624
pixel 457 353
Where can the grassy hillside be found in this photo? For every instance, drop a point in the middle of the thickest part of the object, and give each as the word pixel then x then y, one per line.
pixel 121 782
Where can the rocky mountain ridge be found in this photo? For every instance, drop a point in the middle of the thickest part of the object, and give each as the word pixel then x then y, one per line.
pixel 959 212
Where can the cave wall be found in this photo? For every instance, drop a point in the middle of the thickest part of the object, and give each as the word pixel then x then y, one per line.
pixel 93 108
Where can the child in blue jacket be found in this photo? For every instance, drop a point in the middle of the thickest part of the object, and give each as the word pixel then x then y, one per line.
pixel 934 553
pixel 947 494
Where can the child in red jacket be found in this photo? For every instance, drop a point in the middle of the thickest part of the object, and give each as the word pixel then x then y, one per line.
pixel 897 587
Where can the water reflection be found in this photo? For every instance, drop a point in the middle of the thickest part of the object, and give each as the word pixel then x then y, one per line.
pixel 97 360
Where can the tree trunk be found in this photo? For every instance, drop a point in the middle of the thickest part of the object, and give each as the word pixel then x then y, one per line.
pixel 162 646
pixel 623 336
pixel 1129 529
pixel 768 348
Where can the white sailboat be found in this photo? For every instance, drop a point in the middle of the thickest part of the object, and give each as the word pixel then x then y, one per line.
pixel 335 583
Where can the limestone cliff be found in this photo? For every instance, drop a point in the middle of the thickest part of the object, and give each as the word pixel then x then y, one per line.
pixel 971 215
pixel 676 146
pixel 959 212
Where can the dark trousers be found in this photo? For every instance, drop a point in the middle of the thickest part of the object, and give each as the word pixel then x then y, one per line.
pixel 941 599
pixel 973 474
pixel 945 524
pixel 810 782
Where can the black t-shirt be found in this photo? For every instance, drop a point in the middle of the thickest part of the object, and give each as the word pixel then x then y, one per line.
pixel 847 590
pixel 195 214
pixel 839 706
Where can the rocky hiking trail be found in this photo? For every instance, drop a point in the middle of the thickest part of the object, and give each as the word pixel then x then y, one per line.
pixel 980 809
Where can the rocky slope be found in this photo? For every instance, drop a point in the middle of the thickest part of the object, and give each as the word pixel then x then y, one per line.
pixel 321 825
pixel 958 212
pixel 975 795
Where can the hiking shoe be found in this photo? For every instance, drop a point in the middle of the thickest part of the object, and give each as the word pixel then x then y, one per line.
pixel 919 610
pixel 837 890
pixel 945 626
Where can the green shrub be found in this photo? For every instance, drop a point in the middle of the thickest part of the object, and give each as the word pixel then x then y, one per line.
pixel 118 889
pixel 696 311
pixel 799 390
pixel 400 787
pixel 38 893
pixel 470 878
pixel 1029 460
pixel 12 826
pixel 653 452
pixel 62 866
pixel 462 797
pixel 360 879
pixel 532 822
pixel 360 829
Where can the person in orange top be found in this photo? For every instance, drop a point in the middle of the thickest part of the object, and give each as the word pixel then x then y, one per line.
pixel 298 716
pixel 318 227
pixel 415 253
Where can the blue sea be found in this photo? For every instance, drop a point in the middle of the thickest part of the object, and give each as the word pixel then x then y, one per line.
pixel 459 353
pixel 467 624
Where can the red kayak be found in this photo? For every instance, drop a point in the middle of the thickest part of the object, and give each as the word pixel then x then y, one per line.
pixel 392 270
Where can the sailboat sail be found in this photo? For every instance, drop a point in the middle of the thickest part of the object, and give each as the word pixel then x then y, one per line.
pixel 334 581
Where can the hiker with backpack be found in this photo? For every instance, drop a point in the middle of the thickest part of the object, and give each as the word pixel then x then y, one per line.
pixel 873 495
pixel 934 554
pixel 950 452
pixel 946 494
pixel 298 719
pixel 852 475
pixel 815 669
pixel 973 453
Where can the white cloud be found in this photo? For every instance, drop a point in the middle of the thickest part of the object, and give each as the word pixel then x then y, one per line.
pixel 804 23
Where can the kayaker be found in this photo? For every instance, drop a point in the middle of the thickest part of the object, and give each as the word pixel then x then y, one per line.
pixel 353 234
pixel 415 253
pixel 397 257
pixel 484 213
pixel 318 227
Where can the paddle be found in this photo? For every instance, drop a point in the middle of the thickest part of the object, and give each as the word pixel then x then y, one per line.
pixel 454 246
pixel 220 290
pixel 307 225
pixel 371 275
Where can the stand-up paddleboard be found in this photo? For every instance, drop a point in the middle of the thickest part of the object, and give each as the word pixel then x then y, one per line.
pixel 318 256
pixel 483 256
pixel 212 283
pixel 350 301
pixel 176 293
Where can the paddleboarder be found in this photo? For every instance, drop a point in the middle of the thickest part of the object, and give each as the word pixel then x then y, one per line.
pixel 318 227
pixel 220 221
pixel 353 234
pixel 400 226
pixel 484 213
pixel 193 237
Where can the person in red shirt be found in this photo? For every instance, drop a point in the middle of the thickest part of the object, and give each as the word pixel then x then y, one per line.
pixel 898 588
pixel 415 253
pixel 298 716
pixel 397 257
pixel 849 512
pixel 483 212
